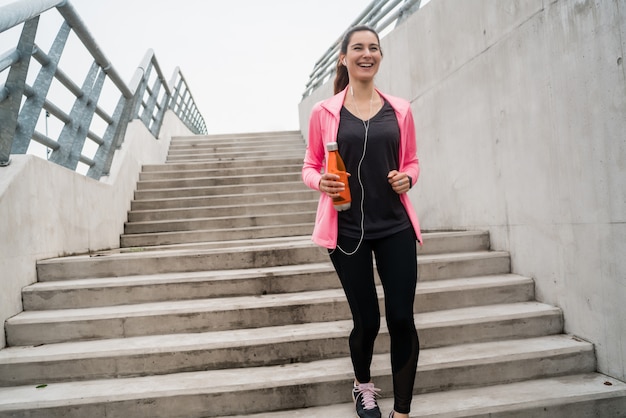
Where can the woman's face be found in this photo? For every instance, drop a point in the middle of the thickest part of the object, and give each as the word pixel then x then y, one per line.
pixel 363 56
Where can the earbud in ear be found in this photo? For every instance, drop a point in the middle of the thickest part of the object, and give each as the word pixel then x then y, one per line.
pixel 344 62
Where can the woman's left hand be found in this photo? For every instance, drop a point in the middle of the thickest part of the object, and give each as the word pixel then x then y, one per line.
pixel 399 181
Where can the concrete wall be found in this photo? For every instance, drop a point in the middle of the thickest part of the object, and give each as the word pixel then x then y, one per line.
pixel 48 211
pixel 520 110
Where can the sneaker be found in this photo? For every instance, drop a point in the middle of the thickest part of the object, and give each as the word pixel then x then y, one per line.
pixel 364 396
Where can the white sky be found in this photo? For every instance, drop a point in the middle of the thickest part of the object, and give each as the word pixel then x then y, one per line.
pixel 246 61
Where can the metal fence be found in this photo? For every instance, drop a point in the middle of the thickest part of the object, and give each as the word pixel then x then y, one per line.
pixel 22 105
pixel 380 15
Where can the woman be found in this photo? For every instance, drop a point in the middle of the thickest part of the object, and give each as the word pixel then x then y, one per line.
pixel 376 137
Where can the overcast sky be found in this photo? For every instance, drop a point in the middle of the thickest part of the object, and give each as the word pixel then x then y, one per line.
pixel 247 61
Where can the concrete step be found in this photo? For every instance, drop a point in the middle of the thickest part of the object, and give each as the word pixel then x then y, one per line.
pixel 240 137
pixel 216 172
pixel 236 155
pixel 208 245
pixel 243 150
pixel 221 180
pixel 240 148
pixel 160 239
pixel 224 200
pixel 590 395
pixel 211 239
pixel 235 141
pixel 219 314
pixel 219 211
pixel 217 393
pixel 235 189
pixel 252 146
pixel 110 291
pixel 295 137
pixel 174 353
pixel 113 263
pixel 223 165
pixel 453 242
pixel 279 218
pixel 108 264
pixel 434 243
pixel 462 241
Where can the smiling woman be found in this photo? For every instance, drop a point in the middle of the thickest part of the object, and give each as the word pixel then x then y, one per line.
pixel 375 134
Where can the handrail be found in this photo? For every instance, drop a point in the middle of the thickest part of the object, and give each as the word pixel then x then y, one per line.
pixel 185 110
pixel 19 12
pixel 147 98
pixel 380 15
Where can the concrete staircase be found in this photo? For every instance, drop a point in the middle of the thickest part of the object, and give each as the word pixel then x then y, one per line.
pixel 217 304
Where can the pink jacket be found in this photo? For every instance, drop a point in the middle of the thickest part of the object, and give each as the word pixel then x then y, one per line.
pixel 323 127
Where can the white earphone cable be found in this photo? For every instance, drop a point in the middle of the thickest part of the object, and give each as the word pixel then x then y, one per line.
pixel 366 125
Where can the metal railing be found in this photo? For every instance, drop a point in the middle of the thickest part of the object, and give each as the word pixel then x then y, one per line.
pixel 21 104
pixel 380 15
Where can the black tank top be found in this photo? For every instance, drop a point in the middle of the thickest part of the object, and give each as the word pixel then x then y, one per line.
pixel 384 213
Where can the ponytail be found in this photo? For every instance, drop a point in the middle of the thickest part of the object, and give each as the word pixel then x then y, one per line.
pixel 341 77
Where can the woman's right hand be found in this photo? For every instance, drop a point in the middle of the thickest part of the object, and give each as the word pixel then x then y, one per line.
pixel 331 185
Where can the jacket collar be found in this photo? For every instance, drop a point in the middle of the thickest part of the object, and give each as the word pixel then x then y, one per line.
pixel 334 103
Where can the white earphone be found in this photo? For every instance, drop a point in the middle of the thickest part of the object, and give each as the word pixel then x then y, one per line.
pixel 344 62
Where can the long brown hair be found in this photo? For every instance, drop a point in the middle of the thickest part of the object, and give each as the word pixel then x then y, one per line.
pixel 341 73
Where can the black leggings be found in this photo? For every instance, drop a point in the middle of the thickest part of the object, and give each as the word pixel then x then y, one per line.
pixel 396 262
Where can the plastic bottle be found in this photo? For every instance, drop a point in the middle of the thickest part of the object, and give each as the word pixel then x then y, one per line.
pixel 335 165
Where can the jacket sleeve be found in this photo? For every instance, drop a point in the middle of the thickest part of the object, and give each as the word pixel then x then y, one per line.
pixel 410 161
pixel 315 154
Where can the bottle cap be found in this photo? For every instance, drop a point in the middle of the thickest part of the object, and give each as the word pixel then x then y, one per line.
pixel 332 146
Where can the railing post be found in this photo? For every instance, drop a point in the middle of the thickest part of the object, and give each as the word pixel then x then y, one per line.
pixel 32 106
pixel 148 111
pixel 10 107
pixel 175 104
pixel 139 93
pixel 161 114
pixel 73 135
pixel 112 138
